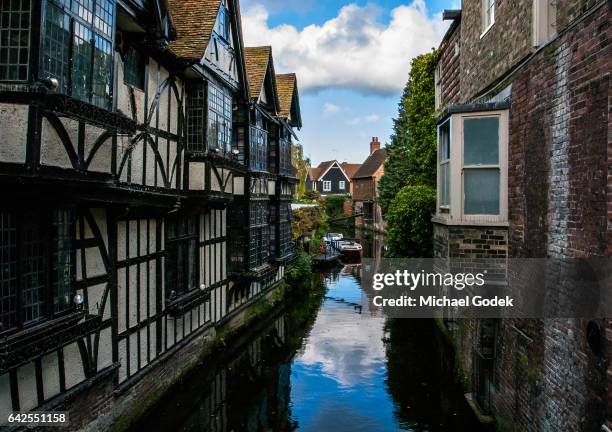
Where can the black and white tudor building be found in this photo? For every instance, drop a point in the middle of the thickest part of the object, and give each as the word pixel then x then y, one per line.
pixel 131 149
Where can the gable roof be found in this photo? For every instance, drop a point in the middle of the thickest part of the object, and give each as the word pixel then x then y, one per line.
pixel 319 172
pixel 288 96
pixel 194 21
pixel 371 164
pixel 256 60
pixel 350 168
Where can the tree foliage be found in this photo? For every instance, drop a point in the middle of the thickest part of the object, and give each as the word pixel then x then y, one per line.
pixel 411 155
pixel 410 231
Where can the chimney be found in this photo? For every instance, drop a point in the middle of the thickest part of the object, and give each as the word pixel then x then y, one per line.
pixel 374 145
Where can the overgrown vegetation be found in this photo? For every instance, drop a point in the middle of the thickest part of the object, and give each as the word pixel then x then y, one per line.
pixel 410 231
pixel 412 151
pixel 407 189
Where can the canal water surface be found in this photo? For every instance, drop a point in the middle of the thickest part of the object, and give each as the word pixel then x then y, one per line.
pixel 328 362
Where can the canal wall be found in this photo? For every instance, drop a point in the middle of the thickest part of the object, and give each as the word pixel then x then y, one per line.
pixel 102 407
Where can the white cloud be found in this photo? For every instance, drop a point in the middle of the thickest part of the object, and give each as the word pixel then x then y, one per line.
pixel 366 119
pixel 353 50
pixel 330 108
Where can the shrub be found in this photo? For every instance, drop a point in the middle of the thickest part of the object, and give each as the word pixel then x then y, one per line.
pixel 334 205
pixel 312 195
pixel 409 227
pixel 300 271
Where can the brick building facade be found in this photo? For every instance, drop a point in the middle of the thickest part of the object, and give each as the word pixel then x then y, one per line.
pixel 533 78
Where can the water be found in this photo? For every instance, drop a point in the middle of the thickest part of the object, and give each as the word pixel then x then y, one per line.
pixel 328 362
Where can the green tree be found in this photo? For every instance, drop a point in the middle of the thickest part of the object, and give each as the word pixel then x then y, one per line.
pixel 411 155
pixel 409 227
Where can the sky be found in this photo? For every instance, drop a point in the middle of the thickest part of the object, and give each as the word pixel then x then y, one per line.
pixel 352 60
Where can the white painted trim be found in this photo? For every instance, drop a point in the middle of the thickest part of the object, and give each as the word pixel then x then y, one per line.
pixel 330 167
pixel 326 183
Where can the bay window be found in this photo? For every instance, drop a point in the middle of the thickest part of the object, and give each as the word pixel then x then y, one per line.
pixel 219 119
pixel 472 167
pixel 37 258
pixel 77 48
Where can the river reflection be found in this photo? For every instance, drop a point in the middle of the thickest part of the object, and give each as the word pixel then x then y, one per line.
pixel 329 362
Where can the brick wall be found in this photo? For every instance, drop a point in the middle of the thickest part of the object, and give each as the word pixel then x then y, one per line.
pixel 449 61
pixel 484 60
pixel 363 189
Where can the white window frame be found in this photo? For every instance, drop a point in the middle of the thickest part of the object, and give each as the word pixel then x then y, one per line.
pixel 326 186
pixel 342 185
pixel 454 214
pixel 544 21
pixel 440 206
pixel 438 84
pixel 488 15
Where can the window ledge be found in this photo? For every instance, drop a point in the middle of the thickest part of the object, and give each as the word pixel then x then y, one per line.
pixel 447 221
pixel 487 30
pixel 193 298
pixel 24 345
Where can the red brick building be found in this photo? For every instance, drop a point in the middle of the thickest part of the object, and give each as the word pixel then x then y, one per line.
pixel 524 150
pixel 365 187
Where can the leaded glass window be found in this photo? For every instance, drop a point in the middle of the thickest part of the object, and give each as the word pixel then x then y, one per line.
pixel 285 157
pixel 36 265
pixel 196 117
pixel 181 255
pixel 258 151
pixel 62 260
pixel 259 233
pixel 102 70
pixel 219 118
pixel 56 45
pixel 87 28
pixel 14 39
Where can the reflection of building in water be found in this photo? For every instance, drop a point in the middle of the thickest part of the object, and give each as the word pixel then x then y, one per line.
pixel 523 172
pixel 249 393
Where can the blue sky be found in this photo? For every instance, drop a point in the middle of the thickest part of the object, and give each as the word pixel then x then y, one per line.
pixel 352 60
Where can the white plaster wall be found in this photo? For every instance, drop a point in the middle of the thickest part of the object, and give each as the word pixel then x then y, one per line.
pixel 26 382
pixel 50 375
pixel 73 365
pixel 238 185
pixel 196 176
pixel 105 349
pixel 13 139
pixel 5 397
pixel 101 161
pixel 52 151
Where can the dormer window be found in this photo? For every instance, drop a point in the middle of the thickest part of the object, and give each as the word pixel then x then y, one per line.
pixel 77 48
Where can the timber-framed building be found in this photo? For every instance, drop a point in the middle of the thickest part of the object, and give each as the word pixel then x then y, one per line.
pixel 124 150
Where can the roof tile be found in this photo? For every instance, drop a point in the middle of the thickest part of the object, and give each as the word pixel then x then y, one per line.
pixel 194 21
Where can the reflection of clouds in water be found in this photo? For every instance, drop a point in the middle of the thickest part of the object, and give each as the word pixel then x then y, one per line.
pixel 347 346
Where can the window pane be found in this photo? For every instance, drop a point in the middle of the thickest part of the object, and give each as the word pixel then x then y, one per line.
pixel 14 39
pixel 220 118
pixel 56 46
pixel 104 16
pixel 62 259
pixel 83 9
pixel 134 68
pixel 33 269
pixel 81 67
pixel 8 270
pixel 196 116
pixel 481 191
pixel 102 73
pixel 445 184
pixel 481 141
pixel 444 141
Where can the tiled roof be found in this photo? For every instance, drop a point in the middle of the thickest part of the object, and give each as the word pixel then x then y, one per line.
pixel 371 164
pixel 313 173
pixel 256 61
pixel 350 168
pixel 193 21
pixel 285 86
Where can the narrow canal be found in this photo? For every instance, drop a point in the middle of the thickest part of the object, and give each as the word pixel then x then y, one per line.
pixel 328 362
